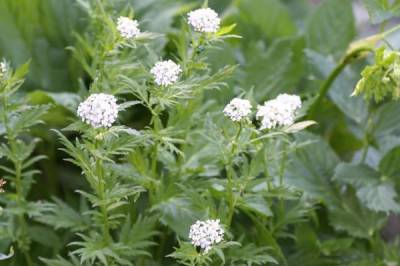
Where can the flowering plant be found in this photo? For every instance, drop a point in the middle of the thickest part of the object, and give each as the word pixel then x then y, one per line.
pixel 213 133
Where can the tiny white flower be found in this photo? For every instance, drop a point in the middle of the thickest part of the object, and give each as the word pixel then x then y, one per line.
pixel 3 68
pixel 396 71
pixel 166 72
pixel 99 110
pixel 237 109
pixel 278 112
pixel 385 80
pixel 292 101
pixel 204 20
pixel 127 27
pixel 205 234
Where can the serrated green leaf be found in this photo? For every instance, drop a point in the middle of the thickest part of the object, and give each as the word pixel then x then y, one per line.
pixel 270 16
pixel 331 27
pixel 311 168
pixel 271 79
pixel 257 204
pixel 380 197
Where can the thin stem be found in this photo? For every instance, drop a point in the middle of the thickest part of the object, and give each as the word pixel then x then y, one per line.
pixel 157 127
pixel 366 138
pixel 28 259
pixel 192 58
pixel 154 160
pixel 364 153
pixel 230 174
pixel 390 31
pixel 282 166
pixel 101 194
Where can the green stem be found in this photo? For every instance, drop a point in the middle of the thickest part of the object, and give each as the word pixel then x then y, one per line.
pixel 154 160
pixel 230 174
pixel 193 56
pixel 366 138
pixel 282 166
pixel 364 153
pixel 28 259
pixel 390 31
pixel 101 194
pixel 157 127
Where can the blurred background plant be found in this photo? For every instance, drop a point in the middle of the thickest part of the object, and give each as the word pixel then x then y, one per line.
pixel 290 46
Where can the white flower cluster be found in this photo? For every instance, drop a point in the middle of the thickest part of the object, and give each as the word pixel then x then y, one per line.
pixel 127 27
pixel 237 109
pixel 280 111
pixel 99 110
pixel 204 20
pixel 166 72
pixel 3 68
pixel 205 234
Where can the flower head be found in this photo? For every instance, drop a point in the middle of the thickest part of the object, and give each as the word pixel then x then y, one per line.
pixel 99 110
pixel 204 20
pixel 205 234
pixel 166 72
pixel 3 68
pixel 2 183
pixel 278 112
pixel 127 27
pixel 237 109
pixel 293 102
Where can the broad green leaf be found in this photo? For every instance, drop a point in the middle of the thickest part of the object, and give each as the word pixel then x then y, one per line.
pixel 251 254
pixel 331 27
pixel 311 168
pixel 386 126
pixel 40 32
pixel 351 217
pixel 329 247
pixel 271 17
pixel 389 165
pixel 257 204
pixel 375 194
pixel 356 175
pixel 381 10
pixel 178 214
pixel 380 198
pixel 269 79
pixel 158 16
pixel 67 100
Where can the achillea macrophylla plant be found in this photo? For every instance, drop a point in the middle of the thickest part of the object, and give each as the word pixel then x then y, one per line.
pixel 182 170
pixel 17 116
pixel 167 172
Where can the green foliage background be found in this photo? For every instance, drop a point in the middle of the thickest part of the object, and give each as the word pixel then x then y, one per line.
pixel 287 46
